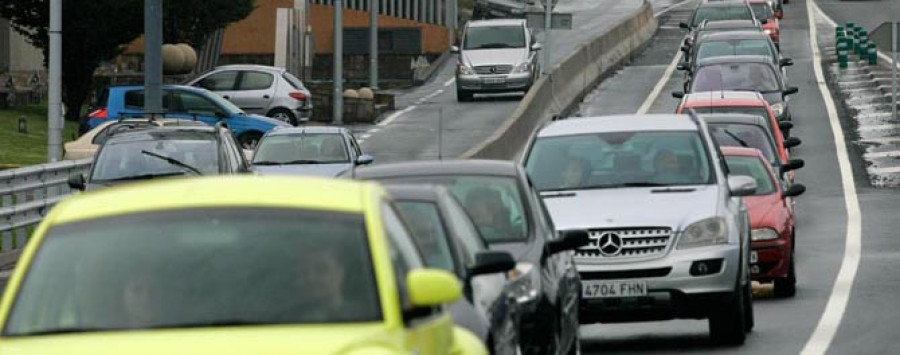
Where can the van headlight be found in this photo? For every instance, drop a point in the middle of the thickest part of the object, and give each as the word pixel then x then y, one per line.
pixel 778 109
pixel 524 283
pixel 463 69
pixel 710 231
pixel 763 234
pixel 522 68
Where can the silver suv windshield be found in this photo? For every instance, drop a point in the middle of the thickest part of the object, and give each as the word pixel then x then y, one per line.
pixel 619 159
pixel 495 37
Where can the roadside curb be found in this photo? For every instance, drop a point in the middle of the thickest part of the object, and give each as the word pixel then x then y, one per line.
pixel 560 92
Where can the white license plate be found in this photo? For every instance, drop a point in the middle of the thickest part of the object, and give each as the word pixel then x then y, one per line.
pixel 754 258
pixel 613 289
pixel 494 81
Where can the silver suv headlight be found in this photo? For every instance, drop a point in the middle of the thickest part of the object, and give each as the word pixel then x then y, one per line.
pixel 778 109
pixel 763 234
pixel 710 231
pixel 524 282
pixel 522 68
pixel 463 69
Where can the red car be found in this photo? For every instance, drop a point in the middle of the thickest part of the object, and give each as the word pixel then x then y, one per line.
pixel 769 17
pixel 771 220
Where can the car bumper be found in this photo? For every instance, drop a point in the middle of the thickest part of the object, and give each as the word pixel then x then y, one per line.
pixel 303 113
pixel 507 83
pixel 676 294
pixel 773 260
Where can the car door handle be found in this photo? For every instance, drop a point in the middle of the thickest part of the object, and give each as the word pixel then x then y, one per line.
pixel 265 96
pixel 226 97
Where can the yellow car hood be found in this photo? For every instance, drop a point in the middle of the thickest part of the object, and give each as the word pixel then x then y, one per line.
pixel 269 340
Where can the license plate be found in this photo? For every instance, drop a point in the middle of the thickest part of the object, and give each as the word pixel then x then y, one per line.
pixel 613 289
pixel 754 258
pixel 494 81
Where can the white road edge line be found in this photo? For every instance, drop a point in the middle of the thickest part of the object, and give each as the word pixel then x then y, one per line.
pixel 648 102
pixel 827 327
pixel 395 115
pixel 450 82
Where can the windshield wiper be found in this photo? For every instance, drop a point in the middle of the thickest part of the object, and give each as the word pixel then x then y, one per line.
pixel 495 45
pixel 735 137
pixel 555 193
pixel 69 330
pixel 213 323
pixel 643 184
pixel 141 177
pixel 173 161
pixel 304 161
pixel 266 162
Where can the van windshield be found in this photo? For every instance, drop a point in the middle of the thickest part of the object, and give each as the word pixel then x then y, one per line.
pixel 495 37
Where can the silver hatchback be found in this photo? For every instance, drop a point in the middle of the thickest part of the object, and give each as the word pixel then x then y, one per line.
pixel 263 90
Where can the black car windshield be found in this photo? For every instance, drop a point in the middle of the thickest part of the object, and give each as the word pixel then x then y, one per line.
pixel 762 11
pixel 721 13
pixel 429 232
pixel 124 159
pixel 493 202
pixel 708 49
pixel 198 268
pixel 619 159
pixel 747 110
pixel 494 37
pixel 735 76
pixel 743 135
pixel 305 148
pixel 755 168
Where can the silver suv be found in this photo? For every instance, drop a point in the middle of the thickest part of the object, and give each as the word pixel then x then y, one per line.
pixel 669 231
pixel 496 56
pixel 263 90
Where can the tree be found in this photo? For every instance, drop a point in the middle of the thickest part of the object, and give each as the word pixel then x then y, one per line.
pixel 185 23
pixel 96 31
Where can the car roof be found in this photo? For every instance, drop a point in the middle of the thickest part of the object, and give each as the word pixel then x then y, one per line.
pixel 742 152
pixel 420 192
pixel 438 167
pixel 724 98
pixel 728 3
pixel 742 34
pixel 250 67
pixel 220 191
pixel 496 22
pixel 737 118
pixel 156 133
pixel 735 59
pixel 714 25
pixel 306 129
pixel 619 123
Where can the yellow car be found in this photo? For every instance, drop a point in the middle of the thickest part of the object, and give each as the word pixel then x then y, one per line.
pixel 228 265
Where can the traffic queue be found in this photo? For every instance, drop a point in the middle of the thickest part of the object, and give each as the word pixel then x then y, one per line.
pixel 309 247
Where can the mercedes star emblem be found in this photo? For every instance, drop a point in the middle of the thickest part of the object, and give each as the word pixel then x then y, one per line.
pixel 610 244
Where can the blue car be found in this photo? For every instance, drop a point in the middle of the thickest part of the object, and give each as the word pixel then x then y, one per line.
pixel 184 102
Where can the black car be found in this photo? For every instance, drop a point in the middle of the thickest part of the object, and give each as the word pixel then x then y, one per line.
pixel 731 43
pixel 717 11
pixel 716 27
pixel 448 240
pixel 742 73
pixel 510 216
pixel 151 153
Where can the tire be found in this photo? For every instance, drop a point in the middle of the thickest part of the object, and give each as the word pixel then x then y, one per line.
pixel 283 114
pixel 727 324
pixel 249 140
pixel 787 287
pixel 464 96
pixel 749 319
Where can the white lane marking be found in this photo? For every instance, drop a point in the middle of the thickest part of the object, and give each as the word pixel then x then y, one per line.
pixel 395 115
pixel 648 102
pixel 450 82
pixel 827 327
pixel 430 96
pixel 670 8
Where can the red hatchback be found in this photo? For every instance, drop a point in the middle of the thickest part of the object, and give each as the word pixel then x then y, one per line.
pixel 769 17
pixel 771 220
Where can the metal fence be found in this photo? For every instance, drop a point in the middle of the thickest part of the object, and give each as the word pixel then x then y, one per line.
pixel 425 11
pixel 27 194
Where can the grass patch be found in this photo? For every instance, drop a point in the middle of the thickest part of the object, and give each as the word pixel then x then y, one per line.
pixel 27 148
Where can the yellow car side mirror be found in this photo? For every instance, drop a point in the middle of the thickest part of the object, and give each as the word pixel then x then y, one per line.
pixel 430 287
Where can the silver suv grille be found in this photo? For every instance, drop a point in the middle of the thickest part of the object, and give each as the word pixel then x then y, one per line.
pixel 493 69
pixel 627 244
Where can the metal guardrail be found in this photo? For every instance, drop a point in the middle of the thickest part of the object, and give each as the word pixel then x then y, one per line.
pixel 27 194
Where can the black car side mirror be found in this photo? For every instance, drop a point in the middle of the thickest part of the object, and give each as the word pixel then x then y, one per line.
pixel 569 240
pixel 785 125
pixel 76 182
pixel 492 262
pixel 684 25
pixel 790 91
pixel 678 94
pixel 786 62
pixel 794 191
pixel 792 164
pixel 792 142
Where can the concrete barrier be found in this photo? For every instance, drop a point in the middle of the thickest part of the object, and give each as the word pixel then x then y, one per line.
pixel 559 92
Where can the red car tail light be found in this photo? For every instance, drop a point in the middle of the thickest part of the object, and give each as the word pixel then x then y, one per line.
pixel 299 96
pixel 98 113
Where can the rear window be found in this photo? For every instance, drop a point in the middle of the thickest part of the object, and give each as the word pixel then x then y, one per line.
pixel 743 135
pixel 736 76
pixel 144 159
pixel 710 49
pixel 291 79
pixel 721 13
pixel 762 11
pixel 752 167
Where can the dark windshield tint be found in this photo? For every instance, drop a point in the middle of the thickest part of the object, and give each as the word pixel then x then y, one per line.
pixel 429 232
pixel 121 159
pixel 755 168
pixel 748 110
pixel 742 135
pixel 721 13
pixel 762 11
pixel 739 77
pixel 494 203
pixel 495 37
pixel 734 47
pixel 619 159
pixel 306 148
pixel 196 268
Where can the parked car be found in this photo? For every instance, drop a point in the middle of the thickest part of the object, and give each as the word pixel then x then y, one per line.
pixel 86 145
pixel 259 89
pixel 314 150
pixel 668 229
pixel 764 11
pixel 153 153
pixel 496 56
pixel 772 219
pixel 510 216
pixel 184 261
pixel 184 102
pixel 449 240
pixel 743 73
